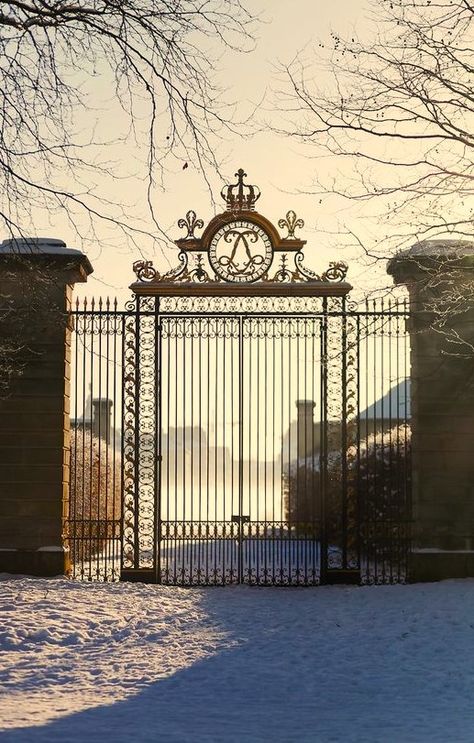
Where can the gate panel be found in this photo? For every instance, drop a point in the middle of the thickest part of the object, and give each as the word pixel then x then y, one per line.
pixel 281 508
pixel 341 556
pixel 381 473
pixel 200 439
pixel 238 460
pixel 93 513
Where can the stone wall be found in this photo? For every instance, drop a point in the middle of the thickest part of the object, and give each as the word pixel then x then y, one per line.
pixel 34 416
pixel 442 371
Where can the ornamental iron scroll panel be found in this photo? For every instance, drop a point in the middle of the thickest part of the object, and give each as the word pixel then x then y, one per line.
pixel 141 408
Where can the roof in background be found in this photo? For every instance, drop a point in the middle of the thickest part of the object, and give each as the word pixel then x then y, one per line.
pixel 395 404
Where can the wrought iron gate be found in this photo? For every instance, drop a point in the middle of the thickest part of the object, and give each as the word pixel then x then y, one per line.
pixel 264 421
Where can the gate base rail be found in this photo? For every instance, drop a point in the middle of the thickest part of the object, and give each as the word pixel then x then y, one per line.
pixel 138 575
pixel 340 576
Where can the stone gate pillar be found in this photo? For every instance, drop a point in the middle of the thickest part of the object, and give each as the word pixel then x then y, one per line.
pixel 36 282
pixel 439 275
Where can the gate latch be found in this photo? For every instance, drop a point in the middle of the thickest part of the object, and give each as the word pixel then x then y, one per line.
pixel 240 519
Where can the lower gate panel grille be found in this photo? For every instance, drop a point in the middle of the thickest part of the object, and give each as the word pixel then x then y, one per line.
pixel 259 553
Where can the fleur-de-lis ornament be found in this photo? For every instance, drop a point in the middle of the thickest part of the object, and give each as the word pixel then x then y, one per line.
pixel 191 223
pixel 291 223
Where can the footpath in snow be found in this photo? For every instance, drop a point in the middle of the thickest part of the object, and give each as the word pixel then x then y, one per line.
pixel 81 663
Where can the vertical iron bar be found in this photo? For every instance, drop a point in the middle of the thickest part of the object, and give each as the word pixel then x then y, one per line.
pixel 224 452
pixel 177 324
pixel 356 496
pixel 216 453
pixel 324 440
pixel 136 493
pixel 382 536
pixel 170 327
pixel 107 438
pixel 344 441
pixel 72 506
pixel 158 455
pixel 115 571
pixel 389 486
pixel 407 460
pixel 241 445
pixel 191 463
pixel 200 389
pixel 99 493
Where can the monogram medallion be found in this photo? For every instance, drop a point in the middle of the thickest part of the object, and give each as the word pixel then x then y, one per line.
pixel 240 251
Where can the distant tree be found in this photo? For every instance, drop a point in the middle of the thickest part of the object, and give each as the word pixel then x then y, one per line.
pixel 378 492
pixel 380 479
pixel 94 496
pixel 304 508
pixel 399 113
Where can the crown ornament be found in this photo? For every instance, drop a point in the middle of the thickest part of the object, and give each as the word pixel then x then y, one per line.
pixel 240 196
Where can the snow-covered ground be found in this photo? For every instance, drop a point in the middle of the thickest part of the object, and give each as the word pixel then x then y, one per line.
pixel 124 662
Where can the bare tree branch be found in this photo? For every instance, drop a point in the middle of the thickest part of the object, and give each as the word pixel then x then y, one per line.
pixel 396 111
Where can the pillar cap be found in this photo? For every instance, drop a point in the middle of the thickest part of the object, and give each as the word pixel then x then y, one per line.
pixel 440 248
pixel 305 403
pixel 104 401
pixel 429 257
pixel 45 247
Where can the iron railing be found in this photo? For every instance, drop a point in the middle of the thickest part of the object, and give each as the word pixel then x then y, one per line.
pixel 222 440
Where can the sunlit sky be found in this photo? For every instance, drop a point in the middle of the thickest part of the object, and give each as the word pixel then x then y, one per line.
pixel 275 163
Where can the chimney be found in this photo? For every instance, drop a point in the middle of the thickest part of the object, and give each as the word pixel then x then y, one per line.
pixel 101 418
pixel 305 428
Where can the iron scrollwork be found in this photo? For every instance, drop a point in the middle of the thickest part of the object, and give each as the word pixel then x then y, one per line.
pixel 240 247
pixel 336 272
pixel 144 270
